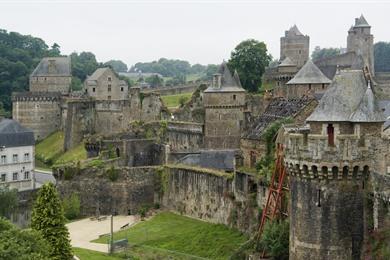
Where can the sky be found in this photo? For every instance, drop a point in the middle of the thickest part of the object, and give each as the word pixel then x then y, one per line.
pixel 200 31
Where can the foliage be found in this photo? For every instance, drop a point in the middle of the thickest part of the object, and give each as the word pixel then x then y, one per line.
pixel 21 244
pixel 77 153
pixel 321 53
pixel 143 210
pixel 50 149
pixel 8 201
pixel 19 55
pixel 116 65
pixel 83 64
pixel 250 58
pixel 49 220
pixel 155 81
pixel 172 101
pixel 275 239
pixel 382 56
pixel 71 206
pixel 173 232
pixel 112 173
pixel 165 67
pixel 183 100
pixel 211 69
pixel 162 179
pixel 378 243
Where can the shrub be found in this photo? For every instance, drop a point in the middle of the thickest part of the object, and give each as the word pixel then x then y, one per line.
pixel 112 173
pixel 275 239
pixel 183 100
pixel 71 206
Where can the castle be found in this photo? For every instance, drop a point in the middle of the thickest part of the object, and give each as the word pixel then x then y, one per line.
pixel 336 151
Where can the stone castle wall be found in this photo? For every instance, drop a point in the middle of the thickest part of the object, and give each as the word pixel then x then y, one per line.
pixel 50 84
pixel 38 111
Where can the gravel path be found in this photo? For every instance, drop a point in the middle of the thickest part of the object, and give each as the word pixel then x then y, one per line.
pixel 85 230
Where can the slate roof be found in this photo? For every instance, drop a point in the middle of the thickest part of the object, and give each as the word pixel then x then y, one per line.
pixel 278 108
pixel 228 82
pixel 294 31
pixel 287 62
pixel 62 67
pixel 218 159
pixel 309 74
pixel 97 73
pixel 361 22
pixel 348 99
pixel 13 134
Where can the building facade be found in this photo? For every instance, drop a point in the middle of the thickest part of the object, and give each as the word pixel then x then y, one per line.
pixel 16 155
pixel 224 103
pixel 104 84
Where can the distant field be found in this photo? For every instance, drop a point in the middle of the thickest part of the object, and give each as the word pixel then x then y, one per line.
pixel 50 151
pixel 189 237
pixel 173 101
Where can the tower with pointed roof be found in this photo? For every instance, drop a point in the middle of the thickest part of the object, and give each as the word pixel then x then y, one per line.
pixel 295 46
pixel 361 41
pixel 224 103
pixel 330 161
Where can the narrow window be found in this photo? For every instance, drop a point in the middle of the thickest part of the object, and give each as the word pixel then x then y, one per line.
pixel 26 175
pixel 15 176
pixel 3 159
pixel 309 86
pixel 26 157
pixel 330 130
pixel 15 158
pixel 234 97
pixel 109 78
pixel 93 89
pixel 122 89
pixel 109 87
pixel 318 198
pixel 3 177
pixel 323 86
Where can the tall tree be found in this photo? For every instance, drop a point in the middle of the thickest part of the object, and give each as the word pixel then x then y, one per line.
pixel 8 201
pixel 320 53
pixel 48 219
pixel 19 244
pixel 382 56
pixel 117 65
pixel 250 58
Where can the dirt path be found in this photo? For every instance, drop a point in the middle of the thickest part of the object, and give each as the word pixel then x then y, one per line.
pixel 85 230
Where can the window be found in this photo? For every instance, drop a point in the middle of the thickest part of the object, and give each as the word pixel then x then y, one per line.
pixel 26 175
pixel 93 89
pixel 26 157
pixel 330 130
pixel 109 78
pixel 109 97
pixel 299 51
pixel 309 86
pixel 3 177
pixel 15 176
pixel 109 87
pixel 122 89
pixel 15 158
pixel 234 97
pixel 323 86
pixel 3 159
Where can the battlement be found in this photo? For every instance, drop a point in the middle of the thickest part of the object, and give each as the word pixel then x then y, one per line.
pixel 36 96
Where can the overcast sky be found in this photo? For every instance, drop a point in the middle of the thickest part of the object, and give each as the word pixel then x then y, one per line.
pixel 198 31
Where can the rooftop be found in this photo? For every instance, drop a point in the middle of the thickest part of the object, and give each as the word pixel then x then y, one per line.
pixel 293 31
pixel 53 66
pixel 309 74
pixel 14 134
pixel 228 82
pixel 348 99
pixel 287 62
pixel 361 22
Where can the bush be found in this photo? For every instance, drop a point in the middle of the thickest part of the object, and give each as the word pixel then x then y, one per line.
pixel 8 201
pixel 183 100
pixel 275 239
pixel 71 206
pixel 112 173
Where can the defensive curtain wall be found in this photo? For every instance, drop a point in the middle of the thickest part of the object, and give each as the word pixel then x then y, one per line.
pixel 219 197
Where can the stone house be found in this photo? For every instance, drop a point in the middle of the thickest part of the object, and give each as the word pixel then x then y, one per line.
pixel 53 74
pixel 16 155
pixel 104 84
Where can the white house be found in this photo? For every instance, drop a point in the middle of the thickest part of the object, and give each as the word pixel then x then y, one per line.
pixel 16 155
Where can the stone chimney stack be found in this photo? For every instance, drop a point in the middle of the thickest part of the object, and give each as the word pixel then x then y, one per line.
pixel 52 69
pixel 217 80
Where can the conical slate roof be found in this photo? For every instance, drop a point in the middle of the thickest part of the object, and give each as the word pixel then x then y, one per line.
pixel 348 100
pixel 237 78
pixel 361 22
pixel 309 74
pixel 287 62
pixel 228 82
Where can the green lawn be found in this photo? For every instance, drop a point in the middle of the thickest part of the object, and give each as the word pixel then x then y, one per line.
pixel 173 101
pixel 85 254
pixel 182 234
pixel 50 151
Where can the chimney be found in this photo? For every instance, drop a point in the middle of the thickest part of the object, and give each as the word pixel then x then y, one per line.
pixel 217 80
pixel 52 67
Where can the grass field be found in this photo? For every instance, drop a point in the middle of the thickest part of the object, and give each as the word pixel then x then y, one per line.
pixel 85 254
pixel 173 101
pixel 50 151
pixel 168 231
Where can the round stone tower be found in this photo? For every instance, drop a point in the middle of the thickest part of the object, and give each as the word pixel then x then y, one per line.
pixel 329 162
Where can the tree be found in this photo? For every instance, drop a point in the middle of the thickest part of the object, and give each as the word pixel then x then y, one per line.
pixel 382 56
pixel 319 53
pixel 275 239
pixel 83 64
pixel 21 244
pixel 154 81
pixel 211 69
pixel 250 58
pixel 8 201
pixel 54 51
pixel 48 219
pixel 117 65
pixel 71 206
